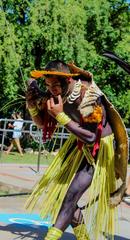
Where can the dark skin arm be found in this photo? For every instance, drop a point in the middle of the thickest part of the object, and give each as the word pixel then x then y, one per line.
pixel 83 134
pixel 53 109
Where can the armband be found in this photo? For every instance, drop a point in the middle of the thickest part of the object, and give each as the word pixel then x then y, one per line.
pixel 62 118
pixel 33 111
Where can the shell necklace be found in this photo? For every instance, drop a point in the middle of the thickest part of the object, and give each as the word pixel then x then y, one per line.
pixel 75 93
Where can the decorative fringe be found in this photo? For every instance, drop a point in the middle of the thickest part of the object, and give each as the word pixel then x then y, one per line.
pixel 55 183
pixel 99 215
pixel 60 185
pixel 50 125
pixel 53 186
pixel 81 232
pixel 50 174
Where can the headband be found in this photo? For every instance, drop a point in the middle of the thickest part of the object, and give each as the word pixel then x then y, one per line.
pixel 38 74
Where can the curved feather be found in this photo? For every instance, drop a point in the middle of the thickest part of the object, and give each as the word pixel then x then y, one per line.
pixel 118 60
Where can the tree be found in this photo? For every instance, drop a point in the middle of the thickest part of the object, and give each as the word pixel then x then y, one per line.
pixel 34 32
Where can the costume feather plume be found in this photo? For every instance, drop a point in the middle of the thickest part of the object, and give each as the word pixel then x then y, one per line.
pixel 118 60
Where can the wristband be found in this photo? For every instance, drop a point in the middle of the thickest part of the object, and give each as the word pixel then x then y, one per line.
pixel 33 111
pixel 62 118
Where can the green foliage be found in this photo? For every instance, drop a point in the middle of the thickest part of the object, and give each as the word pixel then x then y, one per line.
pixel 124 100
pixel 35 32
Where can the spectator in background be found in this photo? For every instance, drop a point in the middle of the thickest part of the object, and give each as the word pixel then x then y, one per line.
pixel 17 126
pixel 10 127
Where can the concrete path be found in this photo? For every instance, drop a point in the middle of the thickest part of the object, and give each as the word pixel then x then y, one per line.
pixel 17 223
pixel 18 177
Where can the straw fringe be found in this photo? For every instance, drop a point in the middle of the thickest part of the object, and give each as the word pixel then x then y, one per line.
pixel 50 174
pixel 100 214
pixel 52 188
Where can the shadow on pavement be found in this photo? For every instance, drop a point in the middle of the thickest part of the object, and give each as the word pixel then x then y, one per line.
pixel 120 238
pixel 21 231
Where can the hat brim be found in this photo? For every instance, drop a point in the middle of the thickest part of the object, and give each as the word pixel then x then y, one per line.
pixel 42 73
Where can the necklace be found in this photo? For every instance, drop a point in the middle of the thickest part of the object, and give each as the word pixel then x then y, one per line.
pixel 75 93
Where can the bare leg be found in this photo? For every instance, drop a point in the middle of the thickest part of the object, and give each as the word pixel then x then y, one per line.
pixel 17 142
pixel 10 147
pixel 79 185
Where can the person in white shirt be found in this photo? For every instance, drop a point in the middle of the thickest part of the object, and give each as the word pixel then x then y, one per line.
pixel 17 126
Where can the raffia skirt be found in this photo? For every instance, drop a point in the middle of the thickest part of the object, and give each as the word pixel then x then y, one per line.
pixel 50 191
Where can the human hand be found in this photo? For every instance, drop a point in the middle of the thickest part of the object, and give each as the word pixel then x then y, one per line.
pixel 55 108
pixel 10 125
pixel 32 93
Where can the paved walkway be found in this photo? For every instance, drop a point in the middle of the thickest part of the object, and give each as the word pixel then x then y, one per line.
pixel 17 223
pixel 19 178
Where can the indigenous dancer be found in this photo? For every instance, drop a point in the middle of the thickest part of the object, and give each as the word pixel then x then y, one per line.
pixel 93 158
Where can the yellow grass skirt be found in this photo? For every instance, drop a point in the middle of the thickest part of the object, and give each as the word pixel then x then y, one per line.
pixel 52 188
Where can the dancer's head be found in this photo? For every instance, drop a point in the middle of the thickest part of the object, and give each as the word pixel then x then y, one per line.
pixel 58 78
pixel 58 84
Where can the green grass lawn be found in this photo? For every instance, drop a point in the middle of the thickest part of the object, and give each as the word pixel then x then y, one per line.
pixel 28 158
